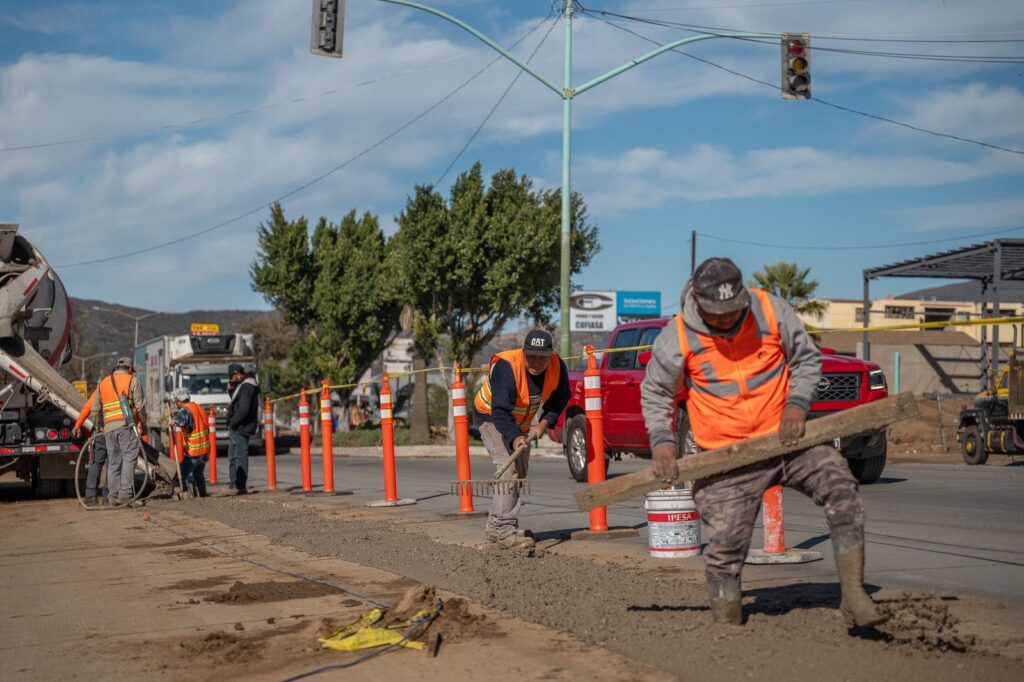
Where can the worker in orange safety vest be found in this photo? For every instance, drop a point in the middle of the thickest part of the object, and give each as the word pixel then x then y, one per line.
pixel 750 369
pixel 120 402
pixel 195 426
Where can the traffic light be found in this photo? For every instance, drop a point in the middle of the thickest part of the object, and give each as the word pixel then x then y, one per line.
pixel 796 66
pixel 328 27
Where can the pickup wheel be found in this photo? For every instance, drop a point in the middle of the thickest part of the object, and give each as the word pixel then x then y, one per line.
pixel 869 469
pixel 973 446
pixel 576 448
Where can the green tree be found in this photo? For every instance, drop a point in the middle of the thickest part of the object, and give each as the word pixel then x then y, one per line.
pixel 790 282
pixel 488 254
pixel 333 288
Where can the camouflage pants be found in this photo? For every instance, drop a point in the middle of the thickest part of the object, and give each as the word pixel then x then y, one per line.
pixel 729 503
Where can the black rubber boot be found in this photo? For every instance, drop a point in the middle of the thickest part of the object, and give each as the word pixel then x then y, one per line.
pixel 856 605
pixel 726 604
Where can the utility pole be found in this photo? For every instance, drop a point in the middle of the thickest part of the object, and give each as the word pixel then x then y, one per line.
pixel 693 251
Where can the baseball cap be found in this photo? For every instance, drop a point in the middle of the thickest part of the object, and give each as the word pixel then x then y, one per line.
pixel 539 342
pixel 180 394
pixel 235 368
pixel 718 285
pixel 125 363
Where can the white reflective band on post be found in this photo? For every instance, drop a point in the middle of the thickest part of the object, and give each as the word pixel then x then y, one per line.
pixel 303 421
pixel 385 398
pixel 592 382
pixel 593 405
pixel 303 409
pixel 325 415
pixel 458 394
pixel 385 414
pixel 460 410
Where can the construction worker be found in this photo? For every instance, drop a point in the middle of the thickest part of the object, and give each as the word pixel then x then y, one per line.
pixel 520 383
pixel 243 418
pixel 120 402
pixel 751 369
pixel 97 459
pixel 192 421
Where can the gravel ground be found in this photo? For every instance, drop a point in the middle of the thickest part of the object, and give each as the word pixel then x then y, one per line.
pixel 651 616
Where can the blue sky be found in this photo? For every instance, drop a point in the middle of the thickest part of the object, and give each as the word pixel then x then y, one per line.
pixel 672 146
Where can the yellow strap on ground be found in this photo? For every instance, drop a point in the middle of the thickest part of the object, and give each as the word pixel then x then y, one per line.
pixel 362 634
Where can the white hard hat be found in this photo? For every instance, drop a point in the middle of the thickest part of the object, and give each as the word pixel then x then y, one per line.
pixel 180 394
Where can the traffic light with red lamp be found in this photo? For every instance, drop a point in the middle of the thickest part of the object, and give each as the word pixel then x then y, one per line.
pixel 796 66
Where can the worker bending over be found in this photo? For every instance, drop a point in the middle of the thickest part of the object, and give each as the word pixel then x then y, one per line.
pixel 751 369
pixel 195 427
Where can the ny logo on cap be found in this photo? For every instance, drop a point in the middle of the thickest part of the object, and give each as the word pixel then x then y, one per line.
pixel 725 292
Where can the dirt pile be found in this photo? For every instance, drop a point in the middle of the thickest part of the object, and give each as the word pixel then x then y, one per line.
pixel 221 647
pixel 454 623
pixel 921 434
pixel 258 593
pixel 927 624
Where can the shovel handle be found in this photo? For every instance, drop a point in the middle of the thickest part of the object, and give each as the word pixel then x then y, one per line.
pixel 511 460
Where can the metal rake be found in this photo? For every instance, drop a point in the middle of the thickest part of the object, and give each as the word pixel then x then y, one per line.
pixel 496 485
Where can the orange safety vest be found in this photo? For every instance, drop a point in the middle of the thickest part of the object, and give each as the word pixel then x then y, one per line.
pixel 111 389
pixel 197 443
pixel 737 386
pixel 524 410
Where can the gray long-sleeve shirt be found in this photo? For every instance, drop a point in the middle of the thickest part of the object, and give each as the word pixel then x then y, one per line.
pixel 665 372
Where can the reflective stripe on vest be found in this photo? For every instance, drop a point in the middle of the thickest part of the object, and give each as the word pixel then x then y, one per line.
pixel 524 410
pixel 111 389
pixel 738 386
pixel 197 443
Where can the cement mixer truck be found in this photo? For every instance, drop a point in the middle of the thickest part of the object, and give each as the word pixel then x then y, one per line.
pixel 37 406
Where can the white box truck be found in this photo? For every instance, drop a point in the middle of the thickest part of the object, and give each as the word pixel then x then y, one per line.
pixel 197 362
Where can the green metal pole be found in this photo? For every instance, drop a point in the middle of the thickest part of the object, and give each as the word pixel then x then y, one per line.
pixel 566 345
pixel 896 371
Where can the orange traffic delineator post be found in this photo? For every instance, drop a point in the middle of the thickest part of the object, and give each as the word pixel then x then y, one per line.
pixel 387 431
pixel 213 447
pixel 304 446
pixel 327 441
pixel 268 441
pixel 462 464
pixel 775 551
pixel 595 453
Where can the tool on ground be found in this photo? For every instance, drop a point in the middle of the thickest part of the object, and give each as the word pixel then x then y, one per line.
pixel 712 462
pixel 496 485
pixel 362 633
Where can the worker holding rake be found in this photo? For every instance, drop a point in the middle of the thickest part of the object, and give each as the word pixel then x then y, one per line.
pixel 750 369
pixel 521 382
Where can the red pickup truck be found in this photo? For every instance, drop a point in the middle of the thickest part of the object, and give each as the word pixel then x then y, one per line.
pixel 846 382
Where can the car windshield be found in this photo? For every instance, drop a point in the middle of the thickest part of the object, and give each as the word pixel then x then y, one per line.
pixel 204 384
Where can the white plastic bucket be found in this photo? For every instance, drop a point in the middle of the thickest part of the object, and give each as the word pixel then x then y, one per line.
pixel 673 524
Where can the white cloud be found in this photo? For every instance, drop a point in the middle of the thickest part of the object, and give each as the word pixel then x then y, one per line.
pixel 650 177
pixel 969 215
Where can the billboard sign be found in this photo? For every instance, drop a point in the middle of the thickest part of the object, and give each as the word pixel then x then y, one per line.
pixel 592 311
pixel 638 304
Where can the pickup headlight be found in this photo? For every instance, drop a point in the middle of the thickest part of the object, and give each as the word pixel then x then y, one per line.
pixel 876 380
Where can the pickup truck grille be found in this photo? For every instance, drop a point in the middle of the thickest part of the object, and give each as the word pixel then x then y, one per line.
pixel 838 388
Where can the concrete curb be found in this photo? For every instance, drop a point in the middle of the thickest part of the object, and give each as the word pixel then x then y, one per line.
pixel 446 451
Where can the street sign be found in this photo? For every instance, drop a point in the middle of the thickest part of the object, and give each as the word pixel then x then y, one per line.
pixel 592 311
pixel 204 329
pixel 638 304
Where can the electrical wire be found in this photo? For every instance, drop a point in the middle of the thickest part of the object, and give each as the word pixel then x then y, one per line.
pixel 213 119
pixel 819 100
pixel 515 79
pixel 860 247
pixel 309 183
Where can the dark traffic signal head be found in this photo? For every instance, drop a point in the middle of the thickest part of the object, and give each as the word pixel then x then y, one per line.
pixel 796 66
pixel 328 27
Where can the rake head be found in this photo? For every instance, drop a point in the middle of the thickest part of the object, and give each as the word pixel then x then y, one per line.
pixel 490 487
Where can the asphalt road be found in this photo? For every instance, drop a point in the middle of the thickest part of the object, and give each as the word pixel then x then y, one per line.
pixel 949 528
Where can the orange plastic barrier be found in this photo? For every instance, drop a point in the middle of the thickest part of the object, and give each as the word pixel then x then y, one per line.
pixel 595 437
pixel 304 443
pixel 212 417
pixel 327 428
pixel 462 442
pixel 268 440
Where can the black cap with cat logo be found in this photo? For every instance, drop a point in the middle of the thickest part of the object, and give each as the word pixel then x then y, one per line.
pixel 539 342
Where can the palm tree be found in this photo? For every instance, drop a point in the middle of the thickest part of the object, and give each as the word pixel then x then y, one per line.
pixel 789 282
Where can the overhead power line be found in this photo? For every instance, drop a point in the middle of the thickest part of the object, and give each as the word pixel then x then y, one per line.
pixel 220 117
pixel 827 103
pixel 860 247
pixel 310 183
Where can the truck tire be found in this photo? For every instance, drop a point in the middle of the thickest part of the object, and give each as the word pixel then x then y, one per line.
pixel 972 445
pixel 576 448
pixel 869 469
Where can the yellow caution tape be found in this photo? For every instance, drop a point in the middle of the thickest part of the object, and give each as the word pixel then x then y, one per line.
pixel 989 321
